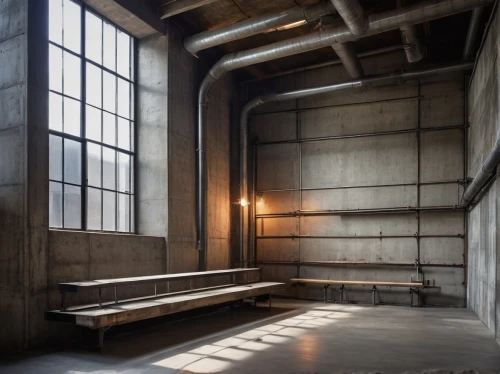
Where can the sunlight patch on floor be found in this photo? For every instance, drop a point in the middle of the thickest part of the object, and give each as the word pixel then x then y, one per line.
pixel 221 355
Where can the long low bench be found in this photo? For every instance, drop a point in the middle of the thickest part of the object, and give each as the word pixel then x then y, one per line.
pixel 104 315
pixel 413 286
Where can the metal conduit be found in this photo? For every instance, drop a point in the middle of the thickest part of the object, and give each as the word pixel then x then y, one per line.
pixel 352 14
pixel 257 25
pixel 374 52
pixel 484 174
pixel 472 32
pixel 349 59
pixel 296 94
pixel 412 44
pixel 377 23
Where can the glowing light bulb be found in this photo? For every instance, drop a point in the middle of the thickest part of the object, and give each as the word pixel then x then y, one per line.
pixel 243 202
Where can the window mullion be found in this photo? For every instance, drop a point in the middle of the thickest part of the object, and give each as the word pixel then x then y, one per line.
pixel 83 130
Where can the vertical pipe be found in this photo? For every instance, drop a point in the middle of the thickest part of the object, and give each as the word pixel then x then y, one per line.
pixel 253 245
pixel 472 32
pixel 202 189
pixel 465 166
pixel 419 167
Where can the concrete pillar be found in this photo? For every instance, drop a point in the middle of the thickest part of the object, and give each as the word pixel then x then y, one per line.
pixel 23 172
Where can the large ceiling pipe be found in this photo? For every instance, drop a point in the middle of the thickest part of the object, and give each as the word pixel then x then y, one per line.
pixel 297 94
pixel 472 32
pixel 413 46
pixel 352 14
pixel 484 174
pixel 349 58
pixel 371 53
pixel 355 20
pixel 257 25
pixel 377 23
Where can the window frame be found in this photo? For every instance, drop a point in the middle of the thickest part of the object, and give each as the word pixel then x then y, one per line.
pixel 84 141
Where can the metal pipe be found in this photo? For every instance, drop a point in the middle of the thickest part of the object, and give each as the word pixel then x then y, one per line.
pixel 296 94
pixel 411 184
pixel 472 32
pixel 415 236
pixel 349 59
pixel 363 135
pixel 483 176
pixel 354 263
pixel 377 23
pixel 352 14
pixel 374 52
pixel 413 46
pixel 257 25
pixel 332 212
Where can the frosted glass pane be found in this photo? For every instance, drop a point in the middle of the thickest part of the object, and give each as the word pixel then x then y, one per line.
pixel 109 92
pixel 123 54
pixel 109 47
pixel 93 40
pixel 132 137
pixel 55 112
pixel 93 94
pixel 72 207
pixel 55 157
pixel 93 165
pixel 55 21
pixel 123 134
pixel 55 68
pixel 123 98
pixel 72 25
pixel 94 211
pixel 55 204
pixel 109 168
pixel 123 172
pixel 109 211
pixel 123 213
pixel 72 116
pixel 72 75
pixel 109 128
pixel 72 161
pixel 93 123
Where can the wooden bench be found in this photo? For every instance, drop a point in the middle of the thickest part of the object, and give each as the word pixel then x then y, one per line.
pixel 104 315
pixel 413 286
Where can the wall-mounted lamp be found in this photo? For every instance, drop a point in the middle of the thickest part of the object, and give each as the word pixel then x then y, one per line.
pixel 260 199
pixel 243 202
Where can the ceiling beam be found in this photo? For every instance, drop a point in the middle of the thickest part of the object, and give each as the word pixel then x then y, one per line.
pixel 137 17
pixel 180 6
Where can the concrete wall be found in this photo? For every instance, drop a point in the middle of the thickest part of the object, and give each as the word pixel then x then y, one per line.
pixel 33 259
pixel 483 293
pixel 168 84
pixel 333 174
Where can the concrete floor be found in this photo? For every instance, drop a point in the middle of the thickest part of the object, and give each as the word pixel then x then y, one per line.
pixel 295 338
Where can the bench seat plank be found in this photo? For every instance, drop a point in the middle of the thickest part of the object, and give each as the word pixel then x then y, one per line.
pixel 134 311
pixel 106 283
pixel 358 283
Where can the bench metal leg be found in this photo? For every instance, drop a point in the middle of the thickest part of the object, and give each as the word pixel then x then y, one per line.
pixel 325 292
pixel 341 294
pixel 100 298
pixel 270 301
pixel 63 297
pixel 411 298
pixel 101 338
pixel 116 296
pixel 374 289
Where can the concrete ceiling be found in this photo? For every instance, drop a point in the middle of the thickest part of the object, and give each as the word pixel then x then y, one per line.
pixel 443 38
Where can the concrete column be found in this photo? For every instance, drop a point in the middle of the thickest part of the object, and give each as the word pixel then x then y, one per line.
pixel 23 172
